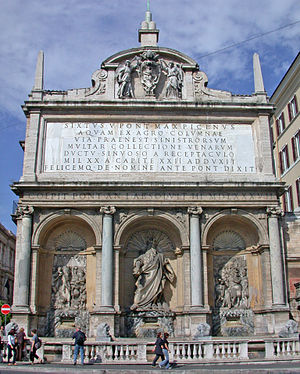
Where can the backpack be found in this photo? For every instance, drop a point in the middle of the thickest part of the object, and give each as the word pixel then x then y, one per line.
pixel 38 344
pixel 81 338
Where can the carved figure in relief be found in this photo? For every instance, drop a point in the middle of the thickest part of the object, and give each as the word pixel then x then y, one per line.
pixel 68 287
pixel 231 289
pixel 124 77
pixel 152 270
pixel 174 79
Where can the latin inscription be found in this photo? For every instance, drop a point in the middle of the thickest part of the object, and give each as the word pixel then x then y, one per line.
pixel 149 147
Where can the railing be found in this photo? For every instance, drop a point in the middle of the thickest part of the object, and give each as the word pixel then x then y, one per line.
pixel 181 352
pixel 281 348
pixel 116 353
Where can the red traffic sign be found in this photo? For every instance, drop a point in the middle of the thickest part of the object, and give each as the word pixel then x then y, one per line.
pixel 5 309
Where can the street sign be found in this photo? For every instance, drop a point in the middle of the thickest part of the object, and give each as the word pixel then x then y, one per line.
pixel 5 309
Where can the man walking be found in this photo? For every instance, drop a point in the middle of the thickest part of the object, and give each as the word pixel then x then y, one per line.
pixel 80 338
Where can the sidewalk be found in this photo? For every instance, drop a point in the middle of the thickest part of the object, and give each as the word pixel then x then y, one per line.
pixel 245 368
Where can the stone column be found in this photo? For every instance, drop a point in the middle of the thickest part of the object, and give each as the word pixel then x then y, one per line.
pixel 23 260
pixel 276 259
pixel 107 257
pixel 196 258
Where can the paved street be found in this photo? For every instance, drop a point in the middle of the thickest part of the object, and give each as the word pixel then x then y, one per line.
pixel 254 367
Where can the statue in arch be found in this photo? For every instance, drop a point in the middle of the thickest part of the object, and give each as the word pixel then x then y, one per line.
pixel 152 269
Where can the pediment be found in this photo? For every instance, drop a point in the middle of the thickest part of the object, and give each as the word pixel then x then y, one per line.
pixel 167 53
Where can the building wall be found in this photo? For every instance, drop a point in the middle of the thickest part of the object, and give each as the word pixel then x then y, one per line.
pixel 287 95
pixel 7 263
pixel 285 127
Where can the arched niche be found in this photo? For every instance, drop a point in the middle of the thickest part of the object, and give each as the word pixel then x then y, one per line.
pixel 242 222
pixel 66 270
pixel 132 238
pixel 235 275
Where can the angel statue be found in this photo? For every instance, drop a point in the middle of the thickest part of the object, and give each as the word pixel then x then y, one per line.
pixel 124 78
pixel 174 79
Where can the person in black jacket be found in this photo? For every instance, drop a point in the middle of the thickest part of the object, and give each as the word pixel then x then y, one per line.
pixel 80 338
pixel 158 349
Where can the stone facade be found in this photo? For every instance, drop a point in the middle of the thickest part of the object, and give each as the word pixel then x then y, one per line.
pixel 7 264
pixel 147 154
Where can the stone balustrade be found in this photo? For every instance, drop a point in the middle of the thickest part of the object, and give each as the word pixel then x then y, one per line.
pixel 281 348
pixel 184 351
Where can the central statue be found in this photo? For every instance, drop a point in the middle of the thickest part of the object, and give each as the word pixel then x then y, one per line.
pixel 152 269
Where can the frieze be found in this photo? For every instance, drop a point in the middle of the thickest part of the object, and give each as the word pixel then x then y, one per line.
pixel 128 196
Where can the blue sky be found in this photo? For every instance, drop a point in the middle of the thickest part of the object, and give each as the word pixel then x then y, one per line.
pixel 76 36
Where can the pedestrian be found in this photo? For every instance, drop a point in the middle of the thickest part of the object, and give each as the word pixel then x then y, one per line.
pixel 11 346
pixel 158 349
pixel 80 338
pixel 21 339
pixel 1 348
pixel 35 345
pixel 166 351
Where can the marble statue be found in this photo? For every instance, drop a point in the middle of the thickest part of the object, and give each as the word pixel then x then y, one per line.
pixel 174 79
pixel 152 269
pixel 124 77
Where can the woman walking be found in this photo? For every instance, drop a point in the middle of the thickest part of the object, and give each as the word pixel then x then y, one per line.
pixel 158 350
pixel 166 351
pixel 11 346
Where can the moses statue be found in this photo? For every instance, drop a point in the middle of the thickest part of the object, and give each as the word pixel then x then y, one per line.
pixel 152 269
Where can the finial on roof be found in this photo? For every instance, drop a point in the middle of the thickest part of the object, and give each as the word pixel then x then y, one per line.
pixel 258 78
pixel 148 34
pixel 39 73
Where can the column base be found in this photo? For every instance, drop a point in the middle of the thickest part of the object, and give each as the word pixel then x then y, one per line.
pixel 104 310
pixel 20 309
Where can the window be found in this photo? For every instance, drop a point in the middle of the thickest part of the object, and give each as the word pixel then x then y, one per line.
pixel 284 159
pixel 296 146
pixel 288 200
pixel 292 108
pixel 298 190
pixel 280 124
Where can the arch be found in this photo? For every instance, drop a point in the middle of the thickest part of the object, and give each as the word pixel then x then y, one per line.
pixel 60 216
pixel 167 52
pixel 256 232
pixel 162 221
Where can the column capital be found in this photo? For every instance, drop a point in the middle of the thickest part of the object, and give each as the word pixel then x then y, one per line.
pixel 195 210
pixel 111 210
pixel 275 212
pixel 24 211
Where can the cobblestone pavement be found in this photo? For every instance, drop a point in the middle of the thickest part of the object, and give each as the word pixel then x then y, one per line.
pixel 245 368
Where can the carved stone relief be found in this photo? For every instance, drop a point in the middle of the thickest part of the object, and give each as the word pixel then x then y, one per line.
pixel 98 83
pixel 149 67
pixel 68 282
pixel 231 282
pixel 141 241
pixel 68 288
pixel 229 240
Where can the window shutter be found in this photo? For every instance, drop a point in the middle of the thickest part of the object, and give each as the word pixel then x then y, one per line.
pixel 291 198
pixel 290 111
pixel 287 157
pixel 277 128
pixel 282 120
pixel 294 148
pixel 298 190
pixel 280 162
pixel 296 104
